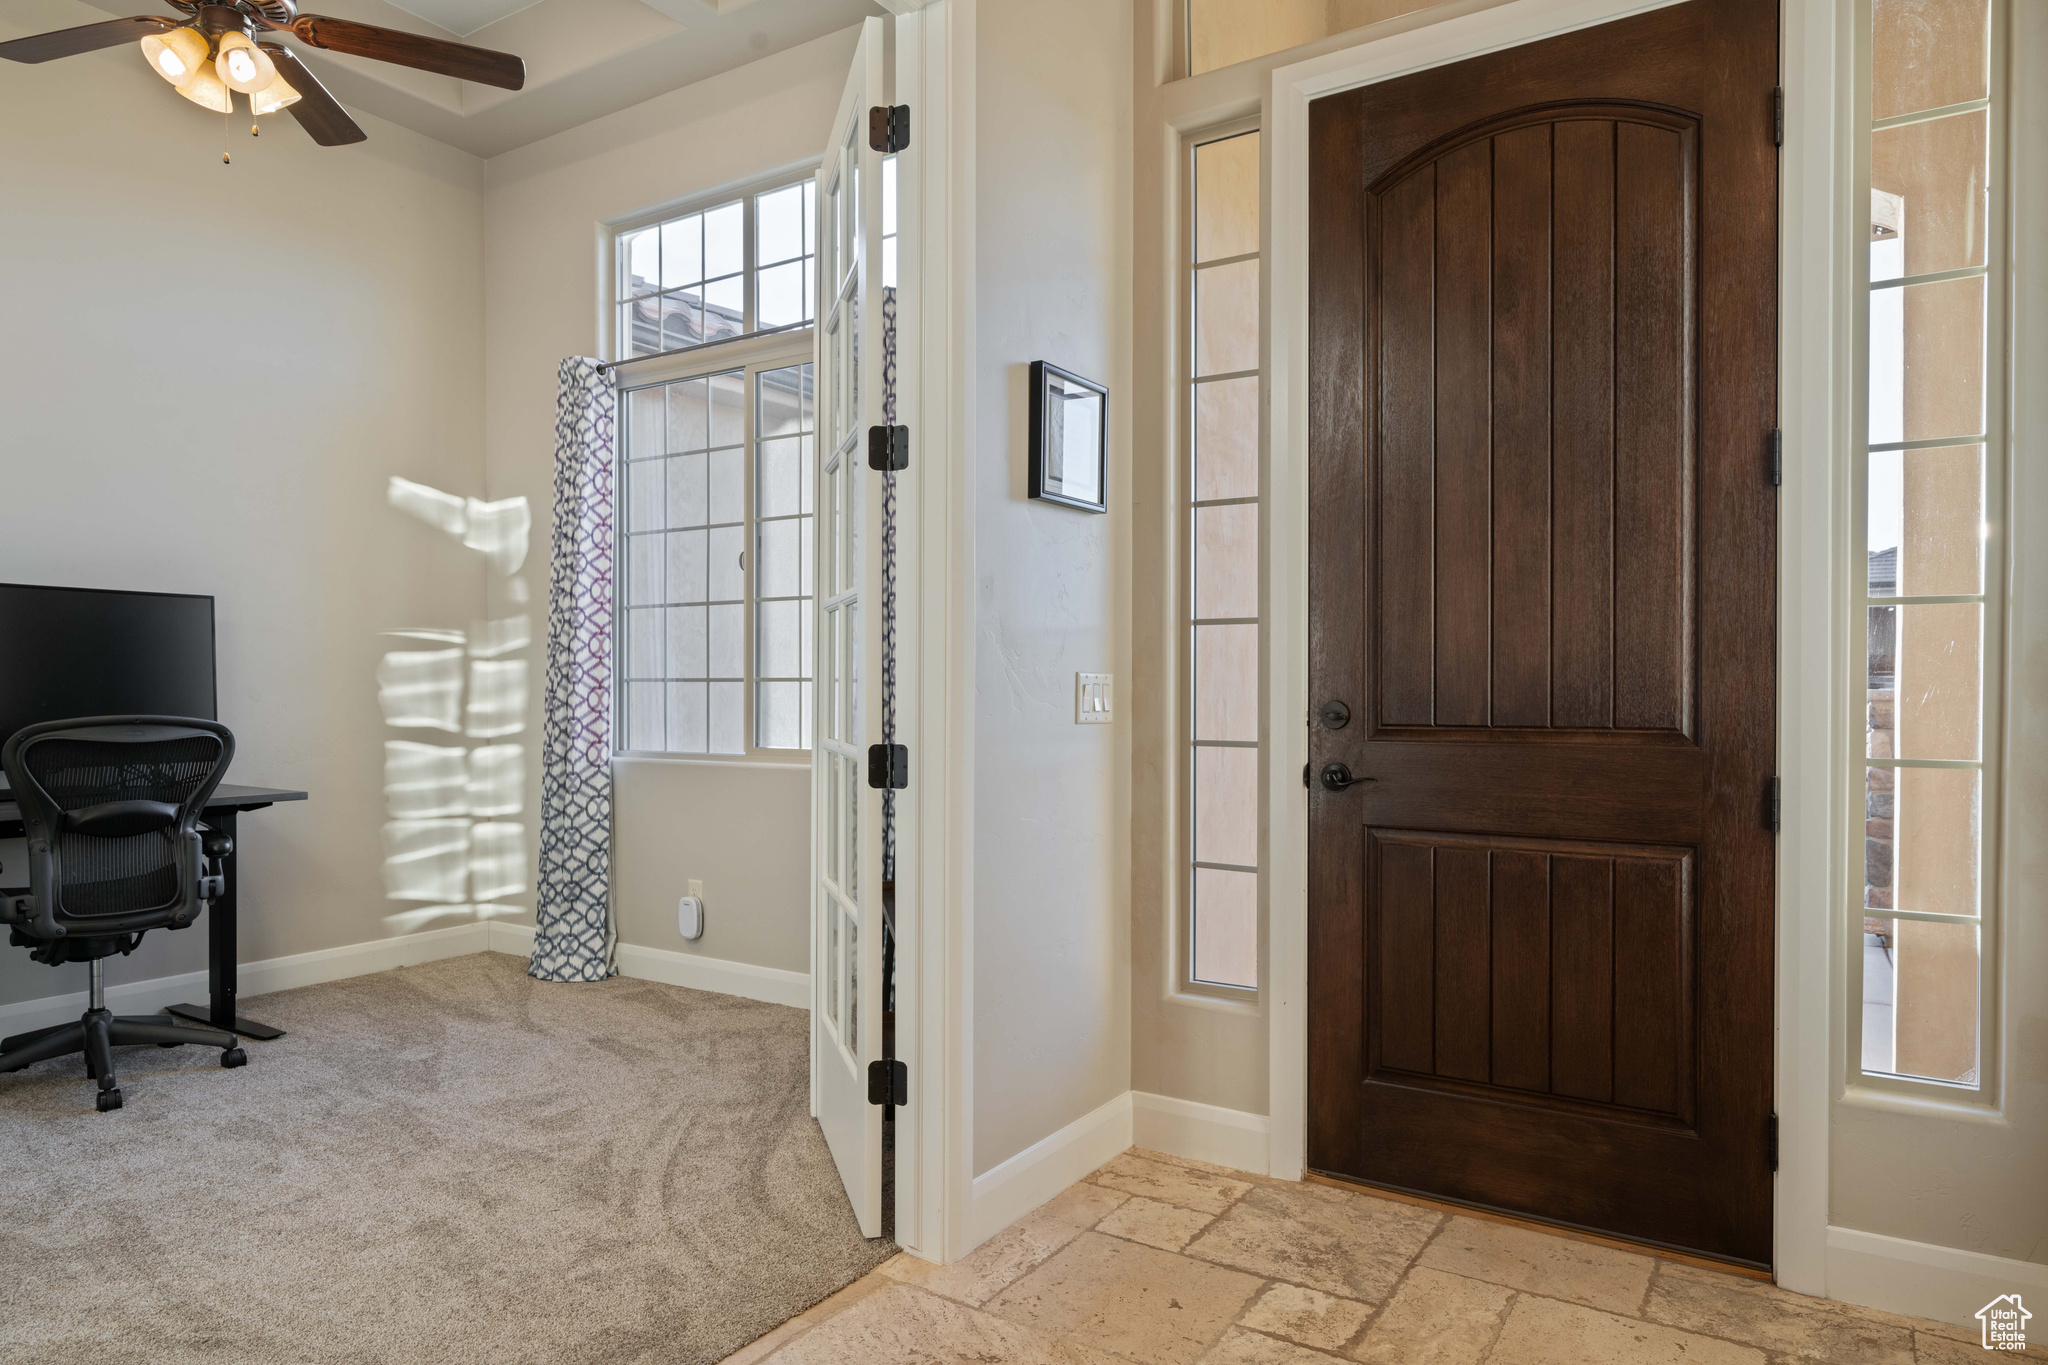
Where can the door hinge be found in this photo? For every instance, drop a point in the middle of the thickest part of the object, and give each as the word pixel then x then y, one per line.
pixel 889 1081
pixel 888 766
pixel 1770 1139
pixel 1778 117
pixel 1777 456
pixel 888 448
pixel 1771 805
pixel 889 127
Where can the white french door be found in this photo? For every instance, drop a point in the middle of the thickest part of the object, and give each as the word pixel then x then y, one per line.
pixel 846 942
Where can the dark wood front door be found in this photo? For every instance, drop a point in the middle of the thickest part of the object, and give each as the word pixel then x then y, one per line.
pixel 1543 349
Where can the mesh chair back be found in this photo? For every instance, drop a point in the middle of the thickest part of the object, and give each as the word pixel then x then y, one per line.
pixel 63 768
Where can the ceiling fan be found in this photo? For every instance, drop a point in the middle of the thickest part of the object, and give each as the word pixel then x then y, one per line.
pixel 212 53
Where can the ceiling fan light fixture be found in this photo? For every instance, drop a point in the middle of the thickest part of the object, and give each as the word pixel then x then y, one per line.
pixel 208 91
pixel 177 56
pixel 242 65
pixel 273 97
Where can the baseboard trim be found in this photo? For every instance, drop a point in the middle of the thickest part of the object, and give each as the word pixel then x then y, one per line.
pixel 1200 1132
pixel 772 984
pixel 516 939
pixel 1923 1280
pixel 1016 1187
pixel 256 978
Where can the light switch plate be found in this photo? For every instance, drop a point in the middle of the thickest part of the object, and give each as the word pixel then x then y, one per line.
pixel 1092 697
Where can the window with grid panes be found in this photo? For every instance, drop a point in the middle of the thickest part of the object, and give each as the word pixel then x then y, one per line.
pixel 1929 480
pixel 716 482
pixel 1221 488
pixel 716 273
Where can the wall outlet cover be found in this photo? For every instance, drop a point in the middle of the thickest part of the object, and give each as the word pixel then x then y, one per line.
pixel 690 917
pixel 1092 699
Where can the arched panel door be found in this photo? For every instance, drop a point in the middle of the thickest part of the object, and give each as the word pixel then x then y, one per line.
pixel 1544 347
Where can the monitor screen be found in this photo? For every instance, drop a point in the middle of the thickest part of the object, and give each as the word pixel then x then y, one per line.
pixel 68 652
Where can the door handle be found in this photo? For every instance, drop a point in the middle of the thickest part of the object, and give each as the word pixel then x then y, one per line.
pixel 1336 777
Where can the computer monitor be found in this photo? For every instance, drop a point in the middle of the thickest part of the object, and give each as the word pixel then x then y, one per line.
pixel 68 652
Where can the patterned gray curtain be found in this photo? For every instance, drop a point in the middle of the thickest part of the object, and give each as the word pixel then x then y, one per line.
pixel 574 938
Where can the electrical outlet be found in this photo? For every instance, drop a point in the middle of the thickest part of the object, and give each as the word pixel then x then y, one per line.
pixel 1092 699
pixel 696 888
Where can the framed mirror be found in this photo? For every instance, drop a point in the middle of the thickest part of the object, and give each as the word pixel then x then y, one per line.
pixel 1069 438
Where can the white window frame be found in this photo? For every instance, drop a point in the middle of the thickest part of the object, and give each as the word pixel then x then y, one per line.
pixel 753 352
pixel 1996 437
pixel 1181 940
pixel 610 267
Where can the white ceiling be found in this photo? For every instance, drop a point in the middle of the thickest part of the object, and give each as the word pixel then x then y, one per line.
pixel 464 17
pixel 584 58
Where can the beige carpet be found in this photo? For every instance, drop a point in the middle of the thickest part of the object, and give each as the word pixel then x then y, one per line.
pixel 444 1163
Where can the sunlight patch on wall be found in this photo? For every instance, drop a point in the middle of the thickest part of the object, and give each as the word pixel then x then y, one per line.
pixel 453 841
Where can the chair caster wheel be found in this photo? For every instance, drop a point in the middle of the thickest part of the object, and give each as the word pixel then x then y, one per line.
pixel 109 1099
pixel 234 1057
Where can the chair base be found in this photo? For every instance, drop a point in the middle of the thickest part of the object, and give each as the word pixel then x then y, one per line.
pixel 98 1032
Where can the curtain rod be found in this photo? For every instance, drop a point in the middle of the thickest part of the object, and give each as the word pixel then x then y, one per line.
pixel 607 366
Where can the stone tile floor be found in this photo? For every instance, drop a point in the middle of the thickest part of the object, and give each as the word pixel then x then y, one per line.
pixel 1162 1261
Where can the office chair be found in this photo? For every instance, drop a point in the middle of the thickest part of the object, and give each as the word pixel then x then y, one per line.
pixel 115 849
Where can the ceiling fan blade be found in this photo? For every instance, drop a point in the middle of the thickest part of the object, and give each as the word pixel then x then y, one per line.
pixel 317 111
pixel 410 49
pixel 69 42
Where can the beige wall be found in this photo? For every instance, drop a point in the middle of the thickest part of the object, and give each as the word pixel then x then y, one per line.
pixel 1051 799
pixel 209 373
pixel 744 833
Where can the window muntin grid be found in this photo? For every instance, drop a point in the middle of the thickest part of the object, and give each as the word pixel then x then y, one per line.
pixel 1221 588
pixel 685 578
pixel 785 456
pixel 729 270
pixel 1928 485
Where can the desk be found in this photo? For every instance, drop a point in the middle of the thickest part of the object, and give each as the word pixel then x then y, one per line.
pixel 228 802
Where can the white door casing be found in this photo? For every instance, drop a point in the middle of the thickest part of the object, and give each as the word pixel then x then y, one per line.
pixel 846 848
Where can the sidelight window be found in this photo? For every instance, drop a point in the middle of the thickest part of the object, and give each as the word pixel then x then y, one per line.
pixel 1930 535
pixel 1220 485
